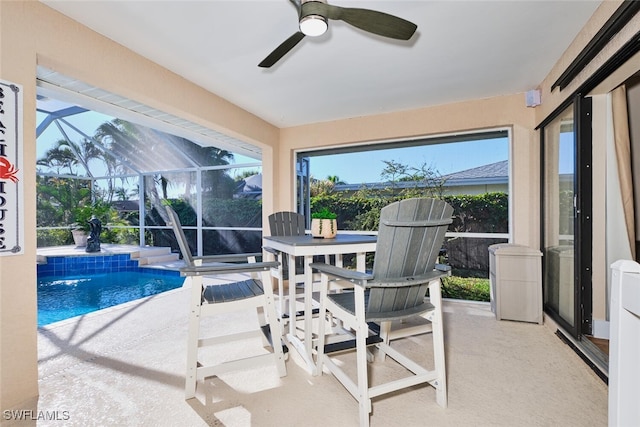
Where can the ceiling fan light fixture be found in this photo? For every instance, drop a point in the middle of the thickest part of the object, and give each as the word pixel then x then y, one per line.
pixel 313 25
pixel 313 20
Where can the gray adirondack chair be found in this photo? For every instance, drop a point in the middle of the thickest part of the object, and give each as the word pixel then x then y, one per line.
pixel 285 224
pixel 410 235
pixel 246 293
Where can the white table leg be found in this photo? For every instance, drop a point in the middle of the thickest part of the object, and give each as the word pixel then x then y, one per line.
pixel 303 346
pixel 361 259
pixel 292 294
pixel 308 310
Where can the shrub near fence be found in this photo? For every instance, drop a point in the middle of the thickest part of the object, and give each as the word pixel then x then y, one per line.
pixel 485 213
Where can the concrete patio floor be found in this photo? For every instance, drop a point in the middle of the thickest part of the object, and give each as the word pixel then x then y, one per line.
pixel 124 366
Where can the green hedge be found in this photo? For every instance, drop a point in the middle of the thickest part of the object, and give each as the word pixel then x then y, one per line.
pixel 484 213
pixel 466 288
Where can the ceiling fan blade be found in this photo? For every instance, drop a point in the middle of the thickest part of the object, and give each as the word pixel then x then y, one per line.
pixel 373 21
pixel 281 50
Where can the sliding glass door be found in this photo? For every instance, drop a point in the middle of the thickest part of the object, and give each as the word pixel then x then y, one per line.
pixel 567 218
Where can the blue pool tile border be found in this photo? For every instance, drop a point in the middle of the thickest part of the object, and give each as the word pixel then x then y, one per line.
pixel 99 264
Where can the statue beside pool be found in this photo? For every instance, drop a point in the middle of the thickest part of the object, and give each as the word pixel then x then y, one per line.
pixel 93 242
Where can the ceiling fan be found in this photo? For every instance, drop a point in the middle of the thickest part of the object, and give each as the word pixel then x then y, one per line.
pixel 313 16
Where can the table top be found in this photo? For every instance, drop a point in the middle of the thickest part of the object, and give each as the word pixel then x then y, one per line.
pixel 309 240
pixel 308 245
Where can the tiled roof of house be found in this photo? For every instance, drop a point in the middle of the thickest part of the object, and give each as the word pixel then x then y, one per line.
pixel 492 170
pixel 126 205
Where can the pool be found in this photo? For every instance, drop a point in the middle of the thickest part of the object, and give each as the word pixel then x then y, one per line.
pixel 63 297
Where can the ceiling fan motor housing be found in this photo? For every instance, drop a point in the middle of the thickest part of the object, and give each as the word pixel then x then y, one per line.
pixel 312 21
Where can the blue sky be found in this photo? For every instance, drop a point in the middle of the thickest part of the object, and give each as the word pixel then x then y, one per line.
pixel 364 167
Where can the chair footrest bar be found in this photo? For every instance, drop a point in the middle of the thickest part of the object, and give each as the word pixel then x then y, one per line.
pixel 300 313
pixel 396 385
pixel 236 336
pixel 374 327
pixel 349 344
pixel 266 331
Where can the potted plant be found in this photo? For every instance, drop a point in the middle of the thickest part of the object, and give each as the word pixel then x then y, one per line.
pixel 82 215
pixel 80 228
pixel 324 224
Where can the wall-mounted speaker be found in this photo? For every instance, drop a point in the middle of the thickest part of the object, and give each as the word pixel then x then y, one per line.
pixel 532 98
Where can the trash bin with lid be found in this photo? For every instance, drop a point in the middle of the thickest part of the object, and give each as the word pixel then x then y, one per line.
pixel 516 284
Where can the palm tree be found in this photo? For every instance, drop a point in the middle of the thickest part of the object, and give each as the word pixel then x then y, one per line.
pixel 335 179
pixel 57 197
pixel 129 146
pixel 216 182
pixel 59 157
pixel 69 154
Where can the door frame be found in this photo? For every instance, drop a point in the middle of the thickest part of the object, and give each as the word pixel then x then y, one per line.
pixel 582 284
pixel 583 287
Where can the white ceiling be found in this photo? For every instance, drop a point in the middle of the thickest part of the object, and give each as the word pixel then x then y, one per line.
pixel 461 50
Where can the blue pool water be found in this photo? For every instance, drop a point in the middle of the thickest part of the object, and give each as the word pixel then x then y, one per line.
pixel 63 297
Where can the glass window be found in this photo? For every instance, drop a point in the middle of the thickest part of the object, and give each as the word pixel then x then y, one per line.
pixel 559 214
pixel 470 171
pixel 93 164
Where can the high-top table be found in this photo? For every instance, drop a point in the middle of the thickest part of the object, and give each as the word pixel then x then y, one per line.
pixel 308 247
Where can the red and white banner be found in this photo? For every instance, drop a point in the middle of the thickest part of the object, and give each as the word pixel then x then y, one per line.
pixel 11 182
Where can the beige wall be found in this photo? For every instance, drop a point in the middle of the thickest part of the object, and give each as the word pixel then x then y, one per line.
pixel 32 33
pixel 18 358
pixel 506 111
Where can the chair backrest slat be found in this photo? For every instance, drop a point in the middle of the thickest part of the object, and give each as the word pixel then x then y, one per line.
pixel 410 236
pixel 180 237
pixel 286 224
